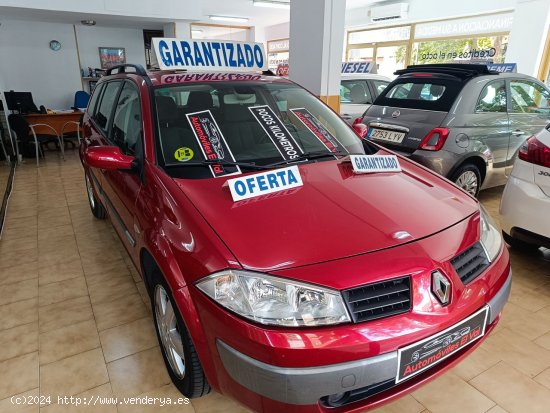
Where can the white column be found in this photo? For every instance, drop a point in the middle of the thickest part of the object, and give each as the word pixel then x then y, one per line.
pixel 528 35
pixel 178 28
pixel 316 46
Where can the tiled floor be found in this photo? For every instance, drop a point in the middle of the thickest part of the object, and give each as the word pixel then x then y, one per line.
pixel 75 320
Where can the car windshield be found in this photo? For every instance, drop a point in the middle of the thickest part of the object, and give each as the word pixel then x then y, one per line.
pixel 250 124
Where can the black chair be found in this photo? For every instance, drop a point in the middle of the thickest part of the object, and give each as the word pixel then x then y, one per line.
pixel 26 135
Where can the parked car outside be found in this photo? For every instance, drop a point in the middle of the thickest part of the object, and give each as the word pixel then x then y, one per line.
pixel 463 121
pixel 526 199
pixel 358 91
pixel 300 268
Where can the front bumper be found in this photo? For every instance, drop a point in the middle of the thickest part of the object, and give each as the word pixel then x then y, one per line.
pixel 306 386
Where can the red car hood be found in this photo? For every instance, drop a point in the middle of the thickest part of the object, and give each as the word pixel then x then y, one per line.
pixel 334 214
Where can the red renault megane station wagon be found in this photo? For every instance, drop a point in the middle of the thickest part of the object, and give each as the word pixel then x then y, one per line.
pixel 291 265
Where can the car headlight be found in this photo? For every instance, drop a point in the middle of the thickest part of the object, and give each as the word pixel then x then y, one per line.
pixel 490 235
pixel 273 300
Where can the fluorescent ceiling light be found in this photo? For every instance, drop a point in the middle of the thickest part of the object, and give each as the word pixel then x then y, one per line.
pixel 196 30
pixel 272 4
pixel 229 19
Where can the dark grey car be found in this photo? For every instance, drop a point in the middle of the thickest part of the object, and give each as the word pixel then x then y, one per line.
pixel 463 121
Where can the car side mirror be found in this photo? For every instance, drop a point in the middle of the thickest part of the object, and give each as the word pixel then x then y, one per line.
pixel 108 157
pixel 360 129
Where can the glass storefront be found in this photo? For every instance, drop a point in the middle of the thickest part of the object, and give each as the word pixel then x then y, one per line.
pixel 277 53
pixel 467 40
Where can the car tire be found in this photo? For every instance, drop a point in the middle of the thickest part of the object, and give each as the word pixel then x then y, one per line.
pixel 468 178
pixel 97 209
pixel 519 244
pixel 185 369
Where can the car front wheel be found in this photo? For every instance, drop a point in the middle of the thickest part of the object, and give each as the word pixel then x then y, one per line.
pixel 178 351
pixel 468 178
pixel 97 209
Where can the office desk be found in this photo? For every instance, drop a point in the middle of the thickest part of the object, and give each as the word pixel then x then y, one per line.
pixel 56 120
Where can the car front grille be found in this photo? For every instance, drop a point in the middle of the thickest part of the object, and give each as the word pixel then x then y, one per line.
pixel 378 300
pixel 470 263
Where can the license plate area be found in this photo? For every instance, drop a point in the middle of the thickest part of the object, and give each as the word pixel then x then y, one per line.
pixel 386 135
pixel 422 355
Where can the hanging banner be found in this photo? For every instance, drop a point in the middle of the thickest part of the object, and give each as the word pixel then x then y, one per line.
pixel 277 132
pixel 212 142
pixel 319 130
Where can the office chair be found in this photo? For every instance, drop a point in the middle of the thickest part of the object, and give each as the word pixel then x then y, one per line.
pixel 81 99
pixel 23 130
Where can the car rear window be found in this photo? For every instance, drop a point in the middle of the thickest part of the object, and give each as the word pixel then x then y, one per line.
pixel 426 92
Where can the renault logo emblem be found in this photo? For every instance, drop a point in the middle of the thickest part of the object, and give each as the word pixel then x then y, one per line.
pixel 441 287
pixel 395 114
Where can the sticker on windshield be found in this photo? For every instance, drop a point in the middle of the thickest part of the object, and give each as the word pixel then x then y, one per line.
pixel 264 183
pixel 183 154
pixel 318 129
pixel 212 143
pixel 277 132
pixel 363 164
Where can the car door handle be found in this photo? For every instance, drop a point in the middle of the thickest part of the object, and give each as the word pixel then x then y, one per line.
pixel 518 132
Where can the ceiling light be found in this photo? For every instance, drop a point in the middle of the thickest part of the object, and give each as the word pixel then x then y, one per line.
pixel 229 19
pixel 196 30
pixel 272 4
pixel 88 22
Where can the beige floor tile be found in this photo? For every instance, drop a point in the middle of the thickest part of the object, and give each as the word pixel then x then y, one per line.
pixel 127 339
pixel 105 272
pixel 18 340
pixel 18 313
pixel 512 390
pixel 63 290
pixel 497 409
pixel 18 405
pixel 15 258
pixel 112 289
pixel 74 374
pixel 476 363
pixel 102 396
pixel 68 341
pixel 60 272
pixel 450 390
pixel 118 312
pixel 544 378
pixel 22 372
pixel 24 232
pixel 65 313
pixel 518 352
pixel 138 373
pixel 25 212
pixel 181 404
pixel 19 244
pixel 59 256
pixel 22 272
pixel 55 233
pixel 407 404
pixel 22 290
pixel 216 403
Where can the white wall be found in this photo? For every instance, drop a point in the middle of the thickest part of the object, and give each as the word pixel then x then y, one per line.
pixel 27 63
pixel 90 38
pixel 277 31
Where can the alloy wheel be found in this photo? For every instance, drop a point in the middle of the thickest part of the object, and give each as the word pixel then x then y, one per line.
pixel 468 181
pixel 170 336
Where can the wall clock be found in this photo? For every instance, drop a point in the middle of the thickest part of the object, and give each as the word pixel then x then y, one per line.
pixel 55 45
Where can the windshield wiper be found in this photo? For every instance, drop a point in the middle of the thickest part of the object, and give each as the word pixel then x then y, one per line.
pixel 207 162
pixel 306 156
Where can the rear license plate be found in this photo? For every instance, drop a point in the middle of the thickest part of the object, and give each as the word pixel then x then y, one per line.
pixel 424 354
pixel 386 135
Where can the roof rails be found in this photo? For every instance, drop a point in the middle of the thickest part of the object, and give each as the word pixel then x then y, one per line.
pixel 460 70
pixel 139 70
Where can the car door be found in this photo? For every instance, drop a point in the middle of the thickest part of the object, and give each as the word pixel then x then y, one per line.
pixel 529 109
pixel 490 125
pixel 355 98
pixel 122 187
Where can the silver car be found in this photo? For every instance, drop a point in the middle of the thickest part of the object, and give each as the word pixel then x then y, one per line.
pixel 358 91
pixel 463 121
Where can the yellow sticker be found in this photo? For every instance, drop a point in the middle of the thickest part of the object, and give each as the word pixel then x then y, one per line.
pixel 184 154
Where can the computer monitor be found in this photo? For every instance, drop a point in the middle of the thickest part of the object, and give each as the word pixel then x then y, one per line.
pixel 21 102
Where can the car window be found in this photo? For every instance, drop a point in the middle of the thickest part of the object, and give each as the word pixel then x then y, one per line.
pixel 256 122
pixel 492 98
pixel 355 91
pixel 529 97
pixel 126 130
pixel 94 99
pixel 380 85
pixel 103 114
pixel 417 91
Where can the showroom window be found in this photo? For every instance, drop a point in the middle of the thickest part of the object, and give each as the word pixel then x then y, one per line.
pixel 474 39
pixel 492 97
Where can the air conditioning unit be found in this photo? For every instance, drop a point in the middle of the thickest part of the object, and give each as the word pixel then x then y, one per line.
pixel 389 12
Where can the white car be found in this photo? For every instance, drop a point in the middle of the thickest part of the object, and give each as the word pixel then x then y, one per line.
pixel 357 92
pixel 525 203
